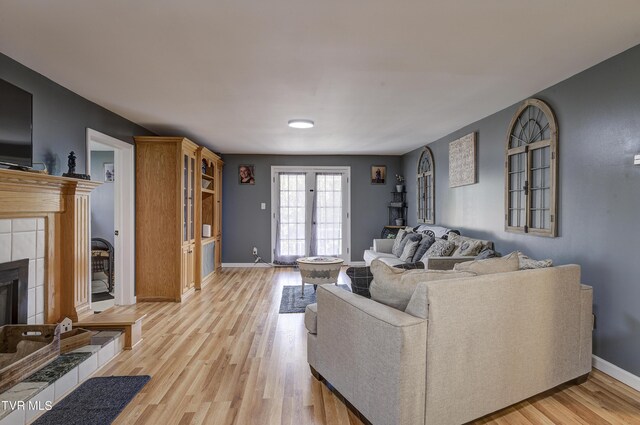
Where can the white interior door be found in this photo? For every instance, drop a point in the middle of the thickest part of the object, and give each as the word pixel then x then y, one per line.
pixel 310 213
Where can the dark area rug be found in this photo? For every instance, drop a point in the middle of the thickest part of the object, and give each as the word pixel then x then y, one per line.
pixel 292 301
pixel 98 401
pixel 101 296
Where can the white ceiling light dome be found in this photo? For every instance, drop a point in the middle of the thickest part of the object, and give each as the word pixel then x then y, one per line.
pixel 299 123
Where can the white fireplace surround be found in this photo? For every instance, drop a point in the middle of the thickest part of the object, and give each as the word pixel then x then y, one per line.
pixel 25 238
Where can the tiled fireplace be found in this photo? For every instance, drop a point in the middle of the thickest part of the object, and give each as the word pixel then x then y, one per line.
pixel 24 239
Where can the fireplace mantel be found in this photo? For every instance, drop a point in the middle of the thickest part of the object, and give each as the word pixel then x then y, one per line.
pixel 64 203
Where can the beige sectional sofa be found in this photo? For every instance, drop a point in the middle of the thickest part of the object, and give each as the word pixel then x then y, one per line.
pixel 472 346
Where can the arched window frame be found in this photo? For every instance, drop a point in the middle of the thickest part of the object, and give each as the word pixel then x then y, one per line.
pixel 531 168
pixel 426 188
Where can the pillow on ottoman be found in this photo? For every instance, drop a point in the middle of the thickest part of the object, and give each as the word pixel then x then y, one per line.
pixel 394 287
pixel 509 263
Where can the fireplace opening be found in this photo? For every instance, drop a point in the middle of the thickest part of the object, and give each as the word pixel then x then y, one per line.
pixel 14 284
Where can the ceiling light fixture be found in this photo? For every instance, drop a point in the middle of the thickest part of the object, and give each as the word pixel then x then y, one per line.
pixel 301 123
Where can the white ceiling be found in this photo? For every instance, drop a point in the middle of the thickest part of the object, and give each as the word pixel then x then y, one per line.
pixel 377 76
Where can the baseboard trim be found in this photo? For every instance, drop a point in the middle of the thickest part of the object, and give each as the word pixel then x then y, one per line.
pixel 616 372
pixel 243 265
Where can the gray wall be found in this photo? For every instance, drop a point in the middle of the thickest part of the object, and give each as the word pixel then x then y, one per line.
pixel 598 113
pixel 102 200
pixel 61 117
pixel 245 225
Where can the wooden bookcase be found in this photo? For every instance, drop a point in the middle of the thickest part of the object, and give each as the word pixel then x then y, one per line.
pixel 208 261
pixel 171 206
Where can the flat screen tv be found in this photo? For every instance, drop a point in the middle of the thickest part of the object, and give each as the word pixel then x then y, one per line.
pixel 16 114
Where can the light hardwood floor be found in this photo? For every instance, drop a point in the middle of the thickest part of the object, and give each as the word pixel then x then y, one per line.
pixel 225 356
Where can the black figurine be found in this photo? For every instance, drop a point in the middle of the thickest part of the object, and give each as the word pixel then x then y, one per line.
pixel 71 163
pixel 72 168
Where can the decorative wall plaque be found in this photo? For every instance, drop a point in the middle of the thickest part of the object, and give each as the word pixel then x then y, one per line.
pixel 462 161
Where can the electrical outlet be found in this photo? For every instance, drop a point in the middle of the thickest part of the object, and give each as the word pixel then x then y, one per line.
pixel 255 251
pixel 636 159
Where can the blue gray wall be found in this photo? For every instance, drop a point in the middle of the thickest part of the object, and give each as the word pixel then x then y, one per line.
pixel 61 117
pixel 598 113
pixel 102 198
pixel 245 225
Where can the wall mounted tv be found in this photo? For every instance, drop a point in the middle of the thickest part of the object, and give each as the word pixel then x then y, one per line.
pixel 16 115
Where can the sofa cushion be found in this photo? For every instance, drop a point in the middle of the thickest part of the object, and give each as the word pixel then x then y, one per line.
pixel 370 255
pixel 509 263
pixel 468 247
pixel 527 263
pixel 409 250
pixel 425 244
pixel 440 248
pixel 394 287
pixel 409 237
pixel 311 318
pixel 392 262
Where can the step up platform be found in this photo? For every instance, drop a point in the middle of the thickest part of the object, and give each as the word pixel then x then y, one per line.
pixel 129 322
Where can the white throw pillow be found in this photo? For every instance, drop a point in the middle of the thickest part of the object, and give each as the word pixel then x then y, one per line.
pixel 527 263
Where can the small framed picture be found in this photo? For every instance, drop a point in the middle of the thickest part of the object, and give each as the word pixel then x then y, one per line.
pixel 109 176
pixel 245 174
pixel 378 174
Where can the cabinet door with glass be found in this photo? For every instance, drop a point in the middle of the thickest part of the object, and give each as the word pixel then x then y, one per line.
pixel 188 195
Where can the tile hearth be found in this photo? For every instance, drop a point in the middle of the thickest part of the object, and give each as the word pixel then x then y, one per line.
pixel 58 378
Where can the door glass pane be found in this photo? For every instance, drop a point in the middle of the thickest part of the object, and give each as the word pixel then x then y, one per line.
pixel 292 214
pixel 328 214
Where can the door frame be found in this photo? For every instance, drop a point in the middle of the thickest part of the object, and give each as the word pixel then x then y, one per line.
pixel 124 213
pixel 275 169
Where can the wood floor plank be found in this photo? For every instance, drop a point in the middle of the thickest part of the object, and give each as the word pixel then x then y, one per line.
pixel 226 357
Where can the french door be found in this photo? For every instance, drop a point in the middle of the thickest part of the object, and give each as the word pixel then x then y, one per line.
pixel 310 213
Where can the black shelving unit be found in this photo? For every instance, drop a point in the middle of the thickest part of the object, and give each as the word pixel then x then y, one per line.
pixel 398 208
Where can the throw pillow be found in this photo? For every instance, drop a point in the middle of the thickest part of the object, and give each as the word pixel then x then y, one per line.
pixel 410 237
pixel 467 247
pixel 509 263
pixel 488 253
pixel 390 287
pixel 527 263
pixel 408 251
pixel 396 243
pixel 425 244
pixel 361 277
pixel 440 248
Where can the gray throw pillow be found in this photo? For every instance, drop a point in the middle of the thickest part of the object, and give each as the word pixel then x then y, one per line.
pixel 440 248
pixel 409 237
pixel 409 251
pixel 425 244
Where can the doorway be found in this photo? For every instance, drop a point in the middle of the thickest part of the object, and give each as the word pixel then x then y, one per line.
pixel 310 213
pixel 112 270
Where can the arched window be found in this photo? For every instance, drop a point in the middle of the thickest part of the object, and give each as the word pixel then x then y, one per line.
pixel 426 188
pixel 531 169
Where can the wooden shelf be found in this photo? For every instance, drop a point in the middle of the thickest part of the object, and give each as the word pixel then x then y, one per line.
pixel 209 191
pixel 207 177
pixel 208 240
